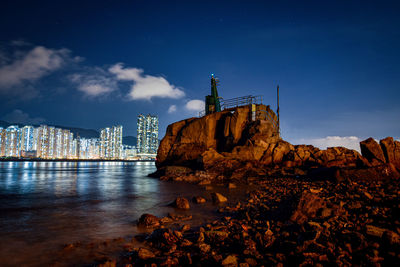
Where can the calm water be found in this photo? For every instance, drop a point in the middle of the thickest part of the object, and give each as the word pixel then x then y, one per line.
pixel 44 205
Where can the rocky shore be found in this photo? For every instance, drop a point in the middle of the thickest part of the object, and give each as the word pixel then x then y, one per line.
pixel 311 207
pixel 285 222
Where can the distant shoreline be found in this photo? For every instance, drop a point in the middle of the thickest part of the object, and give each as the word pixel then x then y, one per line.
pixel 74 160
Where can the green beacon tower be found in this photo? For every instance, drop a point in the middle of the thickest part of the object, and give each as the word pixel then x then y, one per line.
pixel 212 101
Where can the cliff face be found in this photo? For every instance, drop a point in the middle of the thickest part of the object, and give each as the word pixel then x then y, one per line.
pixel 233 143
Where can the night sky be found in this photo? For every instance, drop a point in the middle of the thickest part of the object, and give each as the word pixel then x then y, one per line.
pixel 94 64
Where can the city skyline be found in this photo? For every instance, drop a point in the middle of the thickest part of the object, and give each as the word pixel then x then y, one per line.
pixel 336 63
pixel 49 142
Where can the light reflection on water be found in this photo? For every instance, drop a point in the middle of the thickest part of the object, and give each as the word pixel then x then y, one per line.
pixel 44 205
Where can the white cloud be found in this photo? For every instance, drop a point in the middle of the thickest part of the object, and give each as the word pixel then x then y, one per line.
pixel 351 142
pixel 195 105
pixel 18 116
pixel 95 82
pixel 38 62
pixel 145 86
pixel 172 109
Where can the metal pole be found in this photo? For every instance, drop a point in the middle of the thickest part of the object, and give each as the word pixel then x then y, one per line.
pixel 279 126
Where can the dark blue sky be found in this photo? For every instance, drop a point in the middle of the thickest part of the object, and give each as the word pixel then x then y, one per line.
pixel 337 63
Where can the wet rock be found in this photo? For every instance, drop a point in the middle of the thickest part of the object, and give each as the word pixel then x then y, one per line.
pixel 181 203
pixel 179 217
pixel 199 200
pixel 148 220
pixel 144 254
pixel 218 198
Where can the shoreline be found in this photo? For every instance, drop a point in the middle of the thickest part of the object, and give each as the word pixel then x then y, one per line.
pixel 286 221
pixel 73 160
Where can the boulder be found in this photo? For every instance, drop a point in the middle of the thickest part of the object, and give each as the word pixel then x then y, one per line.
pixel 372 151
pixel 145 254
pixel 218 198
pixel 181 203
pixel 391 151
pixel 148 220
pixel 199 200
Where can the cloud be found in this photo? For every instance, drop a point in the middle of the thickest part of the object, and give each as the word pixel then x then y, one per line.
pixel 351 142
pixel 31 66
pixel 94 82
pixel 195 105
pixel 172 109
pixel 18 116
pixel 145 87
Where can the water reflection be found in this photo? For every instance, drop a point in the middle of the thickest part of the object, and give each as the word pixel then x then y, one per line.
pixel 47 204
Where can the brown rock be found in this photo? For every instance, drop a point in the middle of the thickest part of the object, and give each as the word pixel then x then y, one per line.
pixel 218 198
pixel 148 220
pixel 372 151
pixel 145 254
pixel 391 151
pixel 181 203
pixel 199 200
pixel 308 207
pixel 231 261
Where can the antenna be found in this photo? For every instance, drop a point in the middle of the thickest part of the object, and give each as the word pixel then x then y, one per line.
pixel 277 111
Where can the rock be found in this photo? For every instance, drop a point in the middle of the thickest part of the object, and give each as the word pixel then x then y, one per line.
pixel 231 261
pixel 231 185
pixel 145 254
pixel 374 231
pixel 112 263
pixel 372 151
pixel 181 203
pixel 308 207
pixel 199 200
pixel 218 198
pixel 391 151
pixel 185 227
pixel 204 248
pixel 148 220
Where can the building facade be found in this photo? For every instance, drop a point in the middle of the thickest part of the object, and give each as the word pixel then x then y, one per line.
pixel 147 134
pixel 13 137
pixel 111 142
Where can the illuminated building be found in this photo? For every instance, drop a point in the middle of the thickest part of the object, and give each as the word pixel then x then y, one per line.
pixel 12 146
pixel 27 138
pixel 129 152
pixel 147 134
pixel 53 143
pixel 89 148
pixel 111 142
pixel 2 142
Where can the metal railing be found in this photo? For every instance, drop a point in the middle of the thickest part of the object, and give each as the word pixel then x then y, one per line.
pixel 240 101
pixel 236 102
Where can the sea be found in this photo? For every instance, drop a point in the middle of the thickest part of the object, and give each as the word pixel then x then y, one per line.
pixel 45 206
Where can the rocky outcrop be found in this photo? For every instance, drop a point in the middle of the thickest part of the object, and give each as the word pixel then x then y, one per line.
pixel 233 145
pixel 391 151
pixel 372 151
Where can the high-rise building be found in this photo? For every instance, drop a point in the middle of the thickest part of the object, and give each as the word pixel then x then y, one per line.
pixel 13 137
pixel 89 148
pixel 147 134
pixel 27 138
pixel 111 142
pixel 2 142
pixel 53 143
